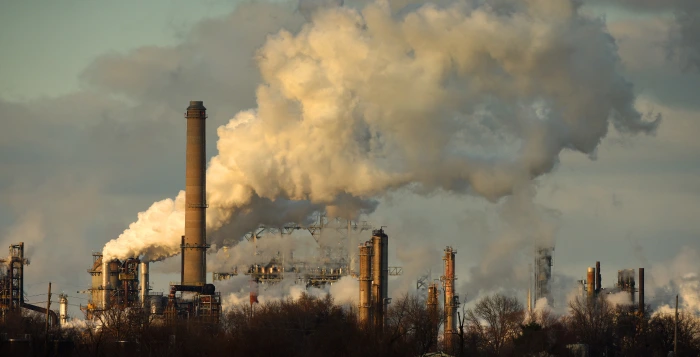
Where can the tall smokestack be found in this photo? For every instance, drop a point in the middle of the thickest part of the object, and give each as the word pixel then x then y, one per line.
pixel 590 281
pixel 380 276
pixel 432 304
pixel 451 302
pixel 597 277
pixel 365 284
pixel 641 291
pixel 195 245
pixel 143 281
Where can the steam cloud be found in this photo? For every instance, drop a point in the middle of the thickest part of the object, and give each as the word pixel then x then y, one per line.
pixel 463 98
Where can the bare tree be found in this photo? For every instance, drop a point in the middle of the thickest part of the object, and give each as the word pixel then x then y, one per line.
pixel 496 320
pixel 592 321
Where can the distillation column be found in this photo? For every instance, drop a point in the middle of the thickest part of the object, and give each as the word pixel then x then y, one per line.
pixel 451 300
pixel 365 284
pixel 194 243
pixel 641 291
pixel 63 309
pixel 105 284
pixel 380 277
pixel 590 282
pixel 432 303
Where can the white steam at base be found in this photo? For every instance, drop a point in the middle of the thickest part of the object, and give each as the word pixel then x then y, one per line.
pixel 357 103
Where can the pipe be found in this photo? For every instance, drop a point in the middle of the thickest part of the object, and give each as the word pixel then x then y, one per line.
pixel 597 277
pixel 195 245
pixel 52 314
pixel 143 282
pixel 450 301
pixel 641 291
pixel 590 284
pixel 365 285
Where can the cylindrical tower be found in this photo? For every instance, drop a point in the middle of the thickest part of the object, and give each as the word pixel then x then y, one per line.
pixel 380 276
pixel 365 285
pixel 143 282
pixel 590 281
pixel 63 308
pixel 597 277
pixel 641 291
pixel 194 245
pixel 105 284
pixel 451 301
pixel 432 304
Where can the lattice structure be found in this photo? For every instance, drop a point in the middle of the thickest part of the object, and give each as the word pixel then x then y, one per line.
pixel 12 279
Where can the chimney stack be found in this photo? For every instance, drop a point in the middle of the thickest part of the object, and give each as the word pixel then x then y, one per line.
pixel 433 314
pixel 365 284
pixel 194 244
pixel 597 278
pixel 143 281
pixel 641 291
pixel 380 276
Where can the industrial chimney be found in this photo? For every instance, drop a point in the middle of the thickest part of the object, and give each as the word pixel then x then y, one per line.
pixel 194 244
pixel 143 281
pixel 641 291
pixel 432 304
pixel 365 285
pixel 380 276
pixel 597 278
pixel 451 300
pixel 590 281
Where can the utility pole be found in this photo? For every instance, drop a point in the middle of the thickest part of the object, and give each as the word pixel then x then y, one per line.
pixel 48 307
pixel 675 331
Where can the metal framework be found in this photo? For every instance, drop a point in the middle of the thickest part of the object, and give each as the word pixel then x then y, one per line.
pixel 12 279
pixel 335 261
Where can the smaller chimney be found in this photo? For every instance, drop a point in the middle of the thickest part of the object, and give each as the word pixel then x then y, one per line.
pixel 641 291
pixel 597 278
pixel 590 283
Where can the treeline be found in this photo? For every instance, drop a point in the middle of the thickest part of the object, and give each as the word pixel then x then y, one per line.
pixel 496 326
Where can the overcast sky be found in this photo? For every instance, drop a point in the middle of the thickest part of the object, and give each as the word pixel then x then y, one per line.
pixel 91 102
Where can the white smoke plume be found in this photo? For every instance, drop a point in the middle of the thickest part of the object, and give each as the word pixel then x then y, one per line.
pixel 464 98
pixel 237 291
pixel 679 276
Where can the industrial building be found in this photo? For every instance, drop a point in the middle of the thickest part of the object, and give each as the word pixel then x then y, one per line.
pixel 592 285
pixel 374 281
pixel 125 284
pixel 12 286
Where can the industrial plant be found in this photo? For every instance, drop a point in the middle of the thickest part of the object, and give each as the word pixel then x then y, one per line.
pixel 123 284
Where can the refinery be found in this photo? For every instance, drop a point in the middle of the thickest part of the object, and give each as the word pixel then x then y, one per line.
pixel 376 178
pixel 123 285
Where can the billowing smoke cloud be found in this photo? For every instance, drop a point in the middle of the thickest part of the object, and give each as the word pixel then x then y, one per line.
pixel 361 102
pixel 678 276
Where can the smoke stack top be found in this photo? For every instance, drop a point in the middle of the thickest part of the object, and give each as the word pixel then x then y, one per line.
pixel 361 102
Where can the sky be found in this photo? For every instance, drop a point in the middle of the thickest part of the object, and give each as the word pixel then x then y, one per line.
pixel 91 101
